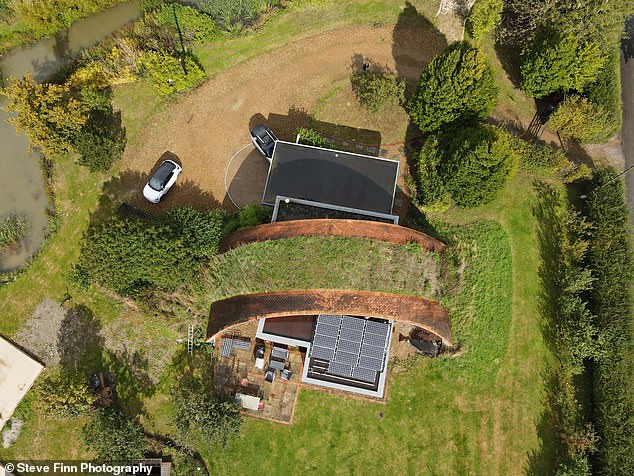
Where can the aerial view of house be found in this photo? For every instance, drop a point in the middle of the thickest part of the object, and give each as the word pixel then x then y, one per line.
pixel 316 237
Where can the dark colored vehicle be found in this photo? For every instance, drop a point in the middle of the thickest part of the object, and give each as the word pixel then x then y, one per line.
pixel 264 140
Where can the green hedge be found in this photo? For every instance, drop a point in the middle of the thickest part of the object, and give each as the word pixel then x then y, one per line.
pixel 605 93
pixel 610 258
pixel 310 136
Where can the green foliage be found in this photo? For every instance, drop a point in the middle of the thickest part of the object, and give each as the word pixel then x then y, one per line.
pixel 251 215
pixel 560 63
pixel 310 136
pixel 542 161
pixel 198 410
pixel 166 73
pixel 191 22
pixel 485 16
pixel 129 255
pixel 114 437
pixel 576 117
pixel 64 394
pixel 233 14
pixel 605 95
pixel 46 17
pixel 458 85
pixel 577 467
pixel 431 191
pixel 48 113
pixel 375 91
pixel 13 227
pixel 472 163
pixel 100 145
pixel 610 258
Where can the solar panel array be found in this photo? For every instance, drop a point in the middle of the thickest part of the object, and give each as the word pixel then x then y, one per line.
pixel 355 347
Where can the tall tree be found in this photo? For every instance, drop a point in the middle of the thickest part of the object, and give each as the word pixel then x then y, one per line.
pixel 458 85
pixel 48 113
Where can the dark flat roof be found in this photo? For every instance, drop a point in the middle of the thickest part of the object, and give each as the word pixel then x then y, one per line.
pixel 293 327
pixel 331 176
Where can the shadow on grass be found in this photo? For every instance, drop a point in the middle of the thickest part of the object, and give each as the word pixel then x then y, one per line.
pixel 83 349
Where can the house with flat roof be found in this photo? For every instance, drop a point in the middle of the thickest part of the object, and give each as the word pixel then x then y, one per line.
pixel 331 179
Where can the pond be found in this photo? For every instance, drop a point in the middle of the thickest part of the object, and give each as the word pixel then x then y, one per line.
pixel 21 181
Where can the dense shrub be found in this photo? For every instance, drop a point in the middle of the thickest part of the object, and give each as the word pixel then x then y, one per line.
pixel 375 91
pixel 473 164
pixel 543 161
pixel 610 259
pixel 431 192
pixel 233 14
pixel 166 73
pixel 576 117
pixel 13 227
pixel 64 394
pixel 458 85
pixel 310 136
pixel 128 255
pixel 485 16
pixel 251 215
pixel 100 145
pixel 560 63
pixel 605 95
pixel 49 114
pixel 113 437
pixel 198 410
pixel 192 23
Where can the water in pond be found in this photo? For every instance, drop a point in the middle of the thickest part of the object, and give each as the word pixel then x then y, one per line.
pixel 21 182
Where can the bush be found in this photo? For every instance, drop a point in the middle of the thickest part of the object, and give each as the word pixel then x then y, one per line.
pixel 610 258
pixel 216 417
pixel 251 215
pixel 113 437
pixel 191 22
pixel 542 161
pixel 128 255
pixel 472 163
pixel 49 114
pixel 12 228
pixel 458 85
pixel 310 136
pixel 64 394
pixel 375 91
pixel 166 73
pixel 560 63
pixel 233 14
pixel 485 16
pixel 576 117
pixel 432 194
pixel 605 94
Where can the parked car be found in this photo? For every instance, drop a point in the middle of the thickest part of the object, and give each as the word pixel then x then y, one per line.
pixel 161 181
pixel 264 140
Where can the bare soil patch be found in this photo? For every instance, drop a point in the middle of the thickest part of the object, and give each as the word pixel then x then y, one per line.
pixel 206 128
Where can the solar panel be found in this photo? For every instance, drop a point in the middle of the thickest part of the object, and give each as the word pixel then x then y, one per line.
pixel 375 327
pixel 351 334
pixel 329 319
pixel 365 375
pixel 372 351
pixel 374 339
pixel 349 322
pixel 322 353
pixel 325 341
pixel 327 330
pixel 349 346
pixel 346 357
pixel 371 363
pixel 337 368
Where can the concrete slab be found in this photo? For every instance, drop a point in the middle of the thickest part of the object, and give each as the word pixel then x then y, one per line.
pixel 18 371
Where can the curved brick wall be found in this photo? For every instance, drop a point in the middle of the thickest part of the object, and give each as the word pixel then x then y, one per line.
pixel 413 310
pixel 330 227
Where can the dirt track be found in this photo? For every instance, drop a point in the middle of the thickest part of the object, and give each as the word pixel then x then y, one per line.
pixel 279 88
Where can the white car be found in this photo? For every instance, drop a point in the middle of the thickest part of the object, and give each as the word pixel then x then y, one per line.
pixel 161 181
